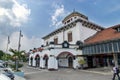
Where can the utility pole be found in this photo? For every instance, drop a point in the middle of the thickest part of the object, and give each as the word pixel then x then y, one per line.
pixel 8 42
pixel 19 45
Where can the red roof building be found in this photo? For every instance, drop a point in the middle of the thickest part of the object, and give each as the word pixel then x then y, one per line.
pixel 105 35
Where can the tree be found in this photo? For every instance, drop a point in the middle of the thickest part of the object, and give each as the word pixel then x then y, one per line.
pixel 17 55
pixel 1 54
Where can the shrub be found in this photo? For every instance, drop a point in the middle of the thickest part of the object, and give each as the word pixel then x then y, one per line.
pixel 13 66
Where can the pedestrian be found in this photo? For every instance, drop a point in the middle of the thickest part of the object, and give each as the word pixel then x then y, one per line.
pixel 115 72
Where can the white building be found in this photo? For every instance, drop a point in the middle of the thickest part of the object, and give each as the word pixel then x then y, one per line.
pixel 62 47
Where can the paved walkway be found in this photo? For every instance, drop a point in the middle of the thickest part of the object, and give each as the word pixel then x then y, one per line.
pixel 104 73
pixel 19 78
pixel 64 74
pixel 102 70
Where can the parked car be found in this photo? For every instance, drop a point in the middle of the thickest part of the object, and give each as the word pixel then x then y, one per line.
pixel 1 66
pixel 8 73
pixel 4 77
pixel 2 62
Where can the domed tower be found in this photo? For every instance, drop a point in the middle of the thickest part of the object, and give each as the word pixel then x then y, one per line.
pixel 74 16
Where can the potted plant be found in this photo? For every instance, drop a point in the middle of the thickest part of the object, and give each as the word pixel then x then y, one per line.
pixel 81 61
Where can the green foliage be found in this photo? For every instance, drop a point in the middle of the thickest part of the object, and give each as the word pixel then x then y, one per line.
pixel 13 66
pixel 17 56
pixel 6 57
pixel 1 54
pixel 81 61
pixel 17 53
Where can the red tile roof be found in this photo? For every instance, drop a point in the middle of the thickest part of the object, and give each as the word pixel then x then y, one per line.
pixel 106 34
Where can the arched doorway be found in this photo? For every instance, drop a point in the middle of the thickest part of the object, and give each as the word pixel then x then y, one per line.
pixel 37 59
pixel 31 61
pixel 65 59
pixel 46 60
pixel 70 62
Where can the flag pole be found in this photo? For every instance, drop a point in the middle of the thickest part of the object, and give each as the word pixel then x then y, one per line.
pixel 8 42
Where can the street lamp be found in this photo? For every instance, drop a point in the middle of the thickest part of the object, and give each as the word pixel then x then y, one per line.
pixel 23 54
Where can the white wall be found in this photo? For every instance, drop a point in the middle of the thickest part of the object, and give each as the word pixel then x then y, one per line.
pixel 59 36
pixel 79 32
pixel 85 32
pixel 63 62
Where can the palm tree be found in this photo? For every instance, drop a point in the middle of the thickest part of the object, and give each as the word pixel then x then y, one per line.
pixel 17 55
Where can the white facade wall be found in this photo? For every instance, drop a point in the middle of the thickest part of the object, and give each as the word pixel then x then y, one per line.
pixel 63 62
pixel 85 32
pixel 79 32
pixel 59 36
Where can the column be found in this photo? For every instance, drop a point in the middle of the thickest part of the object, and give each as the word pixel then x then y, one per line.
pixel 56 63
pixel 29 63
pixel 42 63
pixel 52 63
pixel 34 62
pixel 115 57
pixel 75 63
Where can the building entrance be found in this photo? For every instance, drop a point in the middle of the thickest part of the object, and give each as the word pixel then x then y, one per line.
pixel 70 62
pixel 37 59
pixel 65 59
pixel 46 61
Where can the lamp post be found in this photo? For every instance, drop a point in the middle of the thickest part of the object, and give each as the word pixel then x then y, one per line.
pixel 23 54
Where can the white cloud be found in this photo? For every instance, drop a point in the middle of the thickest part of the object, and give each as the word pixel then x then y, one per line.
pixel 12 16
pixel 26 43
pixel 13 13
pixel 59 13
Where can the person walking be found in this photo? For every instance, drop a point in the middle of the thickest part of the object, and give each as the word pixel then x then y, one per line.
pixel 115 73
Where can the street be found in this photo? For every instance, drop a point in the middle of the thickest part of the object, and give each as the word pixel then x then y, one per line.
pixel 62 74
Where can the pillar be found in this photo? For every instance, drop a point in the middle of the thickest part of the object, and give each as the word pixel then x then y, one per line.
pixel 52 63
pixel 42 63
pixel 39 63
pixel 115 57
pixel 75 63
pixel 34 62
pixel 29 63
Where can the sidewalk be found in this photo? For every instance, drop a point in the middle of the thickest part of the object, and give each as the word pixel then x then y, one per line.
pixel 103 70
pixel 19 78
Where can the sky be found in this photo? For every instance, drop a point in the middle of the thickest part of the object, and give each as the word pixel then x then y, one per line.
pixel 37 18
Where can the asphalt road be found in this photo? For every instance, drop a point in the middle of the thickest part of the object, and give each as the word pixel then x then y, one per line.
pixel 62 74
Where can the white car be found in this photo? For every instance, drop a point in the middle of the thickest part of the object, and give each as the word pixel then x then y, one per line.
pixel 4 77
